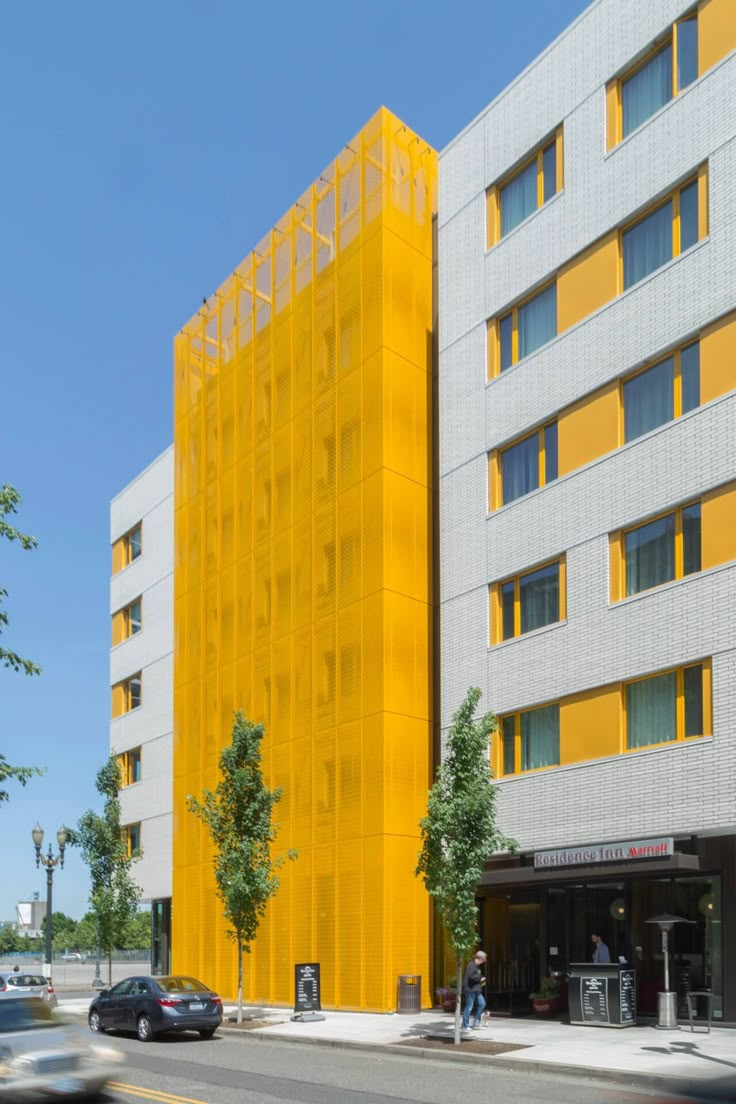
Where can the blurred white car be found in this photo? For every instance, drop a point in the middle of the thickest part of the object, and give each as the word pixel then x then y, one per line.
pixel 28 985
pixel 72 956
pixel 40 1054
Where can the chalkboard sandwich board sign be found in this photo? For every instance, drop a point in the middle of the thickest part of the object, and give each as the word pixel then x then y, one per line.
pixel 307 1001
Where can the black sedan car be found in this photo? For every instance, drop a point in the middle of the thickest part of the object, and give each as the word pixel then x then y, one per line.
pixel 149 1006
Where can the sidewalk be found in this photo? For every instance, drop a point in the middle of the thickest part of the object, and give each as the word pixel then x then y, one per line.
pixel 672 1060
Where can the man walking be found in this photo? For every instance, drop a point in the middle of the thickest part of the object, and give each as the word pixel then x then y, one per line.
pixel 601 952
pixel 473 983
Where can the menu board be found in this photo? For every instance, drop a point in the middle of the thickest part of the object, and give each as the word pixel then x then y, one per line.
pixel 627 995
pixel 594 999
pixel 306 987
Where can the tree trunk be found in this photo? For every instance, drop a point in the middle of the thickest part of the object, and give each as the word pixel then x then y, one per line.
pixel 109 969
pixel 460 995
pixel 240 979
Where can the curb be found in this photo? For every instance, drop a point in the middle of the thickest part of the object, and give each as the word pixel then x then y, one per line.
pixel 661 1082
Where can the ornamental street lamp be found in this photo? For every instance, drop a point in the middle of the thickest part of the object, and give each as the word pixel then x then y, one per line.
pixel 49 861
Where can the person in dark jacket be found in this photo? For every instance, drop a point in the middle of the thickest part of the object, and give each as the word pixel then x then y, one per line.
pixel 473 983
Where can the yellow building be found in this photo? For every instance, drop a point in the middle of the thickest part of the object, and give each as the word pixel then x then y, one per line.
pixel 303 573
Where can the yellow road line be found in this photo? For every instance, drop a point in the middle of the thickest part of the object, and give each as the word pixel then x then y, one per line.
pixel 152 1094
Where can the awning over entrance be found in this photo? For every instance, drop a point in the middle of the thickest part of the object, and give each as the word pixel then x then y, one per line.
pixel 528 876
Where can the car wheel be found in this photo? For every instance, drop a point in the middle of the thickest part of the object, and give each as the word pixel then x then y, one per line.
pixel 144 1029
pixel 95 1023
pixel 206 1032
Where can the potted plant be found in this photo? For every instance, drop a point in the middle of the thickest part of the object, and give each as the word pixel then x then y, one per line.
pixel 546 1001
pixel 447 996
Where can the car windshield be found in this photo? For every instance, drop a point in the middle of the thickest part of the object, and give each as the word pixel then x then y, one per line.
pixel 181 985
pixel 23 1015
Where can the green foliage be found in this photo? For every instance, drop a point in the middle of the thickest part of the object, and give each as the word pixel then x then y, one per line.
pixel 114 895
pixel 19 774
pixel 9 502
pixel 459 832
pixel 64 931
pixel 10 941
pixel 238 815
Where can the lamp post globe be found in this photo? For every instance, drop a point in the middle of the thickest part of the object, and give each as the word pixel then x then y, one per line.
pixel 49 860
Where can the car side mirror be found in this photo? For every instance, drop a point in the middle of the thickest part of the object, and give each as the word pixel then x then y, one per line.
pixel 103 992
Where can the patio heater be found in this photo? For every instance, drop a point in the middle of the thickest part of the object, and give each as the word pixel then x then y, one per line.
pixel 667 1001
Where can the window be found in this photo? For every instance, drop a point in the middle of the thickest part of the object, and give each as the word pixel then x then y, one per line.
pixel 529 601
pixel 527 189
pixel 531 740
pixel 670 67
pixel 127 695
pixel 669 547
pixel 127 548
pixel 663 708
pixel 529 463
pixel 527 327
pixel 132 838
pixel 661 235
pixel 662 392
pixel 127 622
pixel 130 766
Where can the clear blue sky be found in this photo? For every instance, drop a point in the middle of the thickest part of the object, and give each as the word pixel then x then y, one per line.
pixel 146 148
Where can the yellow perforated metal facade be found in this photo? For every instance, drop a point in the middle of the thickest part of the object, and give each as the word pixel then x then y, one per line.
pixel 303 573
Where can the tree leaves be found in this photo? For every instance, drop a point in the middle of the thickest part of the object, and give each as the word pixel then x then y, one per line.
pixel 19 774
pixel 10 499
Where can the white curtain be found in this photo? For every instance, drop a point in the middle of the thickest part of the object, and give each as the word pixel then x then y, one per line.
pixel 538 321
pixel 648 399
pixel 540 597
pixel 651 711
pixel 650 554
pixel 519 198
pixel 648 245
pixel 648 90
pixel 520 468
pixel 540 738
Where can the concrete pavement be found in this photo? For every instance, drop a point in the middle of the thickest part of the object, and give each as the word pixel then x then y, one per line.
pixel 673 1060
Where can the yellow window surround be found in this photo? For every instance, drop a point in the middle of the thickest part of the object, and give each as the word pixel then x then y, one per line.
pixel 617 548
pixel 130 766
pixel 496 599
pixel 605 261
pixel 493 194
pixel 593 723
pixel 511 315
pixel 495 465
pixel 127 622
pixel 614 96
pixel 127 548
pixel 127 695
pixel 132 838
pixel 707 706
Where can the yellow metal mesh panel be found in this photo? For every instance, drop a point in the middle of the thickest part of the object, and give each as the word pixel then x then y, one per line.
pixel 302 573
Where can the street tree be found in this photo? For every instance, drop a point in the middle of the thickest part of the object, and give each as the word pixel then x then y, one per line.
pixel 239 818
pixel 459 832
pixel 114 894
pixel 9 502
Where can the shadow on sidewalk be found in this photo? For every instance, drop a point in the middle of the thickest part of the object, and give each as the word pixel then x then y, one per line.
pixel 691 1049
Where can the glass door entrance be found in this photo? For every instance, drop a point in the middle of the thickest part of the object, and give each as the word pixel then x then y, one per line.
pixel 531 933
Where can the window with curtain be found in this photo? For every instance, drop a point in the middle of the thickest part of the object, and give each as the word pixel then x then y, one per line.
pixel 648 245
pixel 529 188
pixel 540 738
pixel 537 321
pixel 690 377
pixel 646 90
pixel 650 551
pixel 649 399
pixel 651 711
pixel 133 618
pixel 506 336
pixel 509 745
pixel 520 468
pixel 687 52
pixel 539 597
pixel 508 601
pixel 650 554
pixel 519 198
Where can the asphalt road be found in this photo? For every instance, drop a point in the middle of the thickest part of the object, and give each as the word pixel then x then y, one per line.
pixel 226 1070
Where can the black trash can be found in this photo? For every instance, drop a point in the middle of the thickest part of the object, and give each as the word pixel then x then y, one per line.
pixel 409 995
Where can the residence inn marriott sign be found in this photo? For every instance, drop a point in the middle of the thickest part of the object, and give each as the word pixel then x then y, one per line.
pixel 605 852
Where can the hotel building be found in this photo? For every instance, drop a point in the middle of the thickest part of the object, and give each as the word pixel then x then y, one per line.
pixel 587 333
